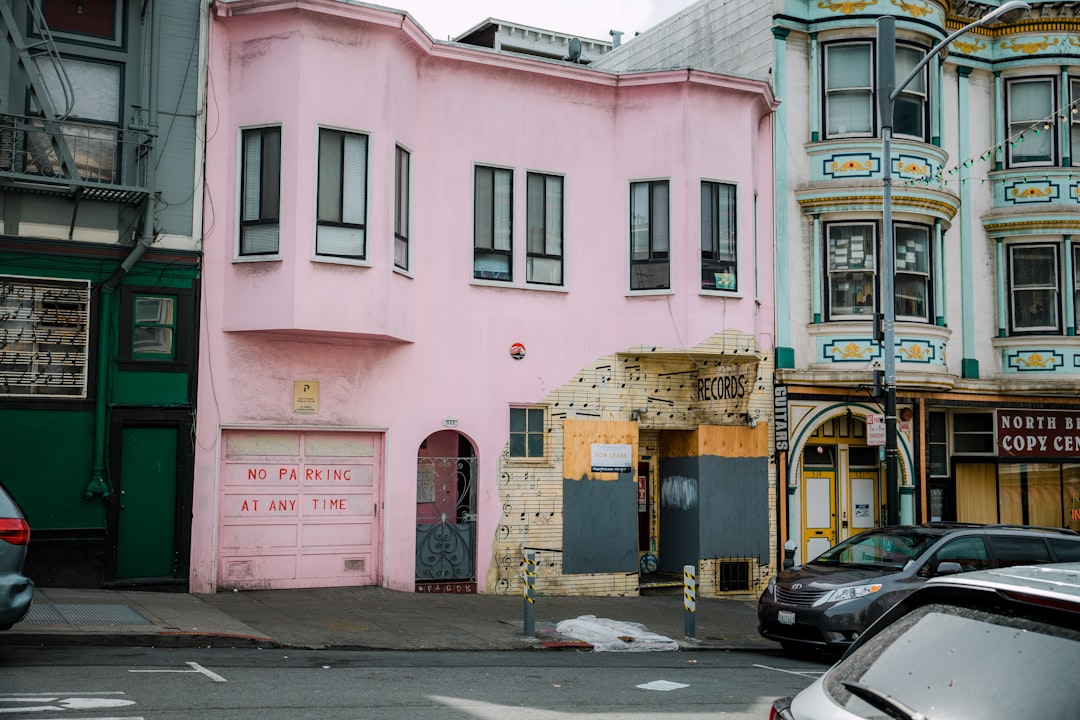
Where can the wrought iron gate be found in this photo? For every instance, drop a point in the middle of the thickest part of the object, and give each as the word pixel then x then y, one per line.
pixel 446 520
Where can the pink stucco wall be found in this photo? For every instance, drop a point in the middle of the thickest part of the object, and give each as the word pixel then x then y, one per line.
pixel 399 352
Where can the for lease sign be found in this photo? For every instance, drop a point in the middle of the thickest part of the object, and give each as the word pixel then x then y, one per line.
pixel 1037 433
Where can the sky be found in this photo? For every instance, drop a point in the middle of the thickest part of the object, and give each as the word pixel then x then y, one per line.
pixel 587 18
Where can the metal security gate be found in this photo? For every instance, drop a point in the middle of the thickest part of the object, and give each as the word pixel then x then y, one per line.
pixel 446 524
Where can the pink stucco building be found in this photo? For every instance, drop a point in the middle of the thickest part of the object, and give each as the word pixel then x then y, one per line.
pixel 464 307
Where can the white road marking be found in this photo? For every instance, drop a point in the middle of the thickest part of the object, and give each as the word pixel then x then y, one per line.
pixel 75 703
pixel 803 673
pixel 195 668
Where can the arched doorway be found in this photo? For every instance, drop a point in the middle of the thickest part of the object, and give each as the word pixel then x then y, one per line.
pixel 446 514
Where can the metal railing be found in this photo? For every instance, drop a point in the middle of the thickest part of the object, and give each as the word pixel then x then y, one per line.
pixel 106 162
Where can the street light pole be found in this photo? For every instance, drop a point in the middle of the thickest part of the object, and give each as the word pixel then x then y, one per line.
pixel 887 90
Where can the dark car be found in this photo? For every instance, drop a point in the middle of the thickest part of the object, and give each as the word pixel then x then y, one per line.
pixel 16 590
pixel 829 601
pixel 994 645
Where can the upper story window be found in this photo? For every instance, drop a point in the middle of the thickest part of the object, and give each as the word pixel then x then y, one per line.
pixel 650 242
pixel 1034 288
pixel 96 20
pixel 1074 121
pixel 493 255
pixel 91 131
pixel 849 83
pixel 260 191
pixel 852 271
pixel 544 229
pixel 718 249
pixel 401 208
pixel 1032 128
pixel 342 195
pixel 912 283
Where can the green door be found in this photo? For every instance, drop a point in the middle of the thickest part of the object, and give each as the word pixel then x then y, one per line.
pixel 146 531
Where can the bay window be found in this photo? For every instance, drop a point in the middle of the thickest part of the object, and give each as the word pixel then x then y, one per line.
pixel 544 229
pixel 1030 105
pixel 851 271
pixel 493 256
pixel 650 245
pixel 849 88
pixel 718 263
pixel 1033 288
pixel 260 191
pixel 912 283
pixel 342 195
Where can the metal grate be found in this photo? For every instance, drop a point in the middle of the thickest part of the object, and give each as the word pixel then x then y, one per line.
pixel 68 614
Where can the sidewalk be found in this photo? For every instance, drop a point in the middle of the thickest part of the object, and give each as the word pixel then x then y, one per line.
pixel 365 618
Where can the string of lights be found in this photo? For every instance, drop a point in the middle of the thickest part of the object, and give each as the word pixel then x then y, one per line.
pixel 1066 115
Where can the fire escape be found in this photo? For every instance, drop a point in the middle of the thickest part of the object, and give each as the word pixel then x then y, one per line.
pixel 47 151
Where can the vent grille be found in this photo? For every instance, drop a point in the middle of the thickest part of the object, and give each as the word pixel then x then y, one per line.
pixel 240 569
pixel 733 575
pixel 355 565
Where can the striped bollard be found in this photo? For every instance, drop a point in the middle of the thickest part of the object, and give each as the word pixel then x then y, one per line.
pixel 529 594
pixel 689 602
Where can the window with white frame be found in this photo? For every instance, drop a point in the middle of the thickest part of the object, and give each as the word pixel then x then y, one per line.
pixel 850 269
pixel 1072 116
pixel 260 191
pixel 1034 298
pixel 650 242
pixel 527 433
pixel 342 195
pixel 849 89
pixel 1076 287
pixel 544 229
pixel 912 282
pixel 849 82
pixel 718 249
pixel 493 255
pixel 1032 130
pixel 401 208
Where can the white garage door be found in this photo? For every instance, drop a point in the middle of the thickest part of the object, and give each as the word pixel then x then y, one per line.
pixel 299 509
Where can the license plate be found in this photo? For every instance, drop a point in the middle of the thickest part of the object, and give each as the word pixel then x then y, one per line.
pixel 785 617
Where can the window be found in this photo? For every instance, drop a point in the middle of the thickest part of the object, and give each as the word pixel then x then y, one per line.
pixel 527 433
pixel 938 444
pixel 544 227
pixel 153 332
pixel 99 19
pixel 1033 279
pixel 342 198
pixel 1012 550
pixel 912 281
pixel 973 433
pixel 718 261
pixel 95 98
pixel 849 80
pixel 851 269
pixel 1031 104
pixel 44 329
pixel 401 208
pixel 649 236
pixel 1074 122
pixel 849 90
pixel 493 255
pixel 260 191
pixel 969 552
pixel 909 109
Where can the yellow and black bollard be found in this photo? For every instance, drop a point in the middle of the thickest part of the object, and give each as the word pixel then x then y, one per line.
pixel 689 599
pixel 529 594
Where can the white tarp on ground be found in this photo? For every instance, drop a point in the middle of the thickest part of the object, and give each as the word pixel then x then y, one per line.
pixel 614 635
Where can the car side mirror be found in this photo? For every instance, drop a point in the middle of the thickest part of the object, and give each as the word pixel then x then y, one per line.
pixel 948 568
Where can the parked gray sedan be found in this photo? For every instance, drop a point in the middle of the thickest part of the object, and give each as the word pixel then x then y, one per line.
pixel 829 601
pixel 16 590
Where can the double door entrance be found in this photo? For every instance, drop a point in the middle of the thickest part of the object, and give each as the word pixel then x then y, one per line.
pixel 841 485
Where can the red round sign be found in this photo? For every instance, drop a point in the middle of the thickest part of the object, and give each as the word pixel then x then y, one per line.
pixel 517 351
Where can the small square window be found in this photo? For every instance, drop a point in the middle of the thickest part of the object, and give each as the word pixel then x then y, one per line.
pixel 527 433
pixel 153 332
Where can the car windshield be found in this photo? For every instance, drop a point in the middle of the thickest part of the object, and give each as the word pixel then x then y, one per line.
pixel 954 662
pixel 892 549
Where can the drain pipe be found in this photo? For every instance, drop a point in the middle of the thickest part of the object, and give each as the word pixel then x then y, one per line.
pixel 99 484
